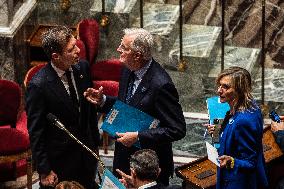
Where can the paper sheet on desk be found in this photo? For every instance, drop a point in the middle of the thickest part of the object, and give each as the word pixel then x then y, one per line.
pixel 212 154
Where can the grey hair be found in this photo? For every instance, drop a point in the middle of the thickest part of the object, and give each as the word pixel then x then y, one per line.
pixel 145 163
pixel 142 43
pixel 55 39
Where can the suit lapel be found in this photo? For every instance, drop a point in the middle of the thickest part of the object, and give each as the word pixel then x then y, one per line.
pixel 227 132
pixel 124 84
pixel 78 76
pixel 57 87
pixel 223 141
pixel 143 86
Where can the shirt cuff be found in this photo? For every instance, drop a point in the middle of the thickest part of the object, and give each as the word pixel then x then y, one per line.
pixel 138 141
pixel 103 101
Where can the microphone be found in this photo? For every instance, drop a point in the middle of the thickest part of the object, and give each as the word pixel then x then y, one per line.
pixel 53 119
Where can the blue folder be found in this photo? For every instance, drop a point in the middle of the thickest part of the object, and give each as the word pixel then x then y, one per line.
pixel 110 181
pixel 216 109
pixel 124 118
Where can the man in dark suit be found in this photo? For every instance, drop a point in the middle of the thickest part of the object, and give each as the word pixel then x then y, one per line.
pixel 58 89
pixel 145 85
pixel 144 165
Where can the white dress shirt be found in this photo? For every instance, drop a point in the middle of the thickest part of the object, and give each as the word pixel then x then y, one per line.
pixel 148 185
pixel 63 78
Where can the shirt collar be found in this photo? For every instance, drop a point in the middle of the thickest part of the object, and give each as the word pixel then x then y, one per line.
pixel 141 72
pixel 59 72
pixel 148 185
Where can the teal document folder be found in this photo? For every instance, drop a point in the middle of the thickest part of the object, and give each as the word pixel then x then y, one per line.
pixel 124 118
pixel 216 109
pixel 110 181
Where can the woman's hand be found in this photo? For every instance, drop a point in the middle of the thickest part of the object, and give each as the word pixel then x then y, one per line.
pixel 210 128
pixel 226 161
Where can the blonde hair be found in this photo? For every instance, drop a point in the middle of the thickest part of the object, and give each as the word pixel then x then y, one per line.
pixel 241 82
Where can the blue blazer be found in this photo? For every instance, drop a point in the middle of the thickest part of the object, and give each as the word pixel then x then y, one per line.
pixel 242 140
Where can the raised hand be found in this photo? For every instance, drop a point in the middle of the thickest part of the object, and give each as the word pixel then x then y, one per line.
pixel 94 96
pixel 126 180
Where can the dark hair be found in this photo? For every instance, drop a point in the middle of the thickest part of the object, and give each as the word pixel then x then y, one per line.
pixel 145 163
pixel 69 185
pixel 241 82
pixel 55 40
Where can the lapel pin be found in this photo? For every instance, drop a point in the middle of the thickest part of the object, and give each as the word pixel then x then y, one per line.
pixel 81 76
pixel 143 89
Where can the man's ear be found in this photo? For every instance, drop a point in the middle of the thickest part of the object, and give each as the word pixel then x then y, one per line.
pixel 133 173
pixel 159 172
pixel 138 56
pixel 54 56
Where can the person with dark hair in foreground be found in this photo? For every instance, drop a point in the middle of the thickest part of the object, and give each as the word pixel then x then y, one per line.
pixel 58 89
pixel 144 166
pixel 240 153
pixel 69 185
pixel 145 85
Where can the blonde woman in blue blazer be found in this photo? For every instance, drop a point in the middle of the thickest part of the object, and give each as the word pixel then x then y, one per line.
pixel 241 157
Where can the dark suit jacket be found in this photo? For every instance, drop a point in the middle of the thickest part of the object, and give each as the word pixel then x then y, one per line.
pixel 52 148
pixel 157 96
pixel 279 138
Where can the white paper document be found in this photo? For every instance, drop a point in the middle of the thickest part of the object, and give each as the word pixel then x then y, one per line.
pixel 212 153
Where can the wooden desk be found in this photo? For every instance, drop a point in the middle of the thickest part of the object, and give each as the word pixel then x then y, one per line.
pixel 36 54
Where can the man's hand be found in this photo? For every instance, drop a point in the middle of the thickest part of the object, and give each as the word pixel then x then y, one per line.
pixel 126 180
pixel 49 180
pixel 128 138
pixel 277 126
pixel 94 96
